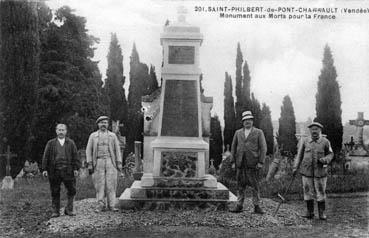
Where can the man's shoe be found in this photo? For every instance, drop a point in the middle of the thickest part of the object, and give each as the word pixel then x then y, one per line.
pixel 258 210
pixel 69 213
pixel 321 209
pixel 237 209
pixel 114 209
pixel 55 214
pixel 309 209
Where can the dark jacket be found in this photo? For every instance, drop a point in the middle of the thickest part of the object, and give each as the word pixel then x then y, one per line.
pixel 48 159
pixel 252 149
pixel 312 157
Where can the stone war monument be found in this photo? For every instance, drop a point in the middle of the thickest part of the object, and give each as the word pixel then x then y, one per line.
pixel 176 132
pixel 358 148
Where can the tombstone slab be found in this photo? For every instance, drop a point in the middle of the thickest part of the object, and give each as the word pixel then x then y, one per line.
pixel 7 183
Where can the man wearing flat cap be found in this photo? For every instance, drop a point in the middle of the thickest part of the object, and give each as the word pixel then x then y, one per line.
pixel 248 152
pixel 104 160
pixel 313 156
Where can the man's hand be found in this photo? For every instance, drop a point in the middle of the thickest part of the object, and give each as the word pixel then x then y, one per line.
pixel 322 160
pixel 90 168
pixel 120 167
pixel 44 174
pixel 294 172
pixel 259 166
pixel 75 172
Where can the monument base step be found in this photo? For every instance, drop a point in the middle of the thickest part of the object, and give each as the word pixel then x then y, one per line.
pixel 134 198
pixel 194 193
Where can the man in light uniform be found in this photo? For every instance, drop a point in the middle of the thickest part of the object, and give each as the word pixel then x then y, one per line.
pixel 248 152
pixel 104 160
pixel 313 156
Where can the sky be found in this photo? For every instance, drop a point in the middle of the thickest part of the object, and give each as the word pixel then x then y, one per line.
pixel 284 56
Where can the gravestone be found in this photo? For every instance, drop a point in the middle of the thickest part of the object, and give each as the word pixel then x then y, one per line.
pixel 176 152
pixel 8 182
pixel 359 147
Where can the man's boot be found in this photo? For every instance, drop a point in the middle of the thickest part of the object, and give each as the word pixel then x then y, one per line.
pixel 321 209
pixel 258 210
pixel 237 209
pixel 309 209
pixel 69 208
pixel 56 208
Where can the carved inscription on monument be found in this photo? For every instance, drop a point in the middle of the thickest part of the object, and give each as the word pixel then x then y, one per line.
pixel 180 113
pixel 181 54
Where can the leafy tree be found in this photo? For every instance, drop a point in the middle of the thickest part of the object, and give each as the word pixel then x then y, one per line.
pixel 287 128
pixel 328 102
pixel 70 83
pixel 216 141
pixel 229 112
pixel 115 81
pixel 267 126
pixel 19 76
pixel 239 88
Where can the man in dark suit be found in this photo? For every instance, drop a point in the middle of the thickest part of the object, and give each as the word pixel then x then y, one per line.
pixel 60 163
pixel 248 152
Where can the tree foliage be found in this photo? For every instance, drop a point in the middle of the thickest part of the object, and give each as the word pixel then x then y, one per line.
pixel 115 81
pixel 256 110
pixel 19 76
pixel 239 87
pixel 267 126
pixel 287 140
pixel 216 141
pixel 229 111
pixel 328 102
pixel 70 83
pixel 139 77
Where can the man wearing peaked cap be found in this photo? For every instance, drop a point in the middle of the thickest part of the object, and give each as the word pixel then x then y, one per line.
pixel 248 152
pixel 313 156
pixel 104 160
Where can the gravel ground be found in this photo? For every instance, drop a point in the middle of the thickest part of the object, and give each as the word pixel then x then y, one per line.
pixel 87 220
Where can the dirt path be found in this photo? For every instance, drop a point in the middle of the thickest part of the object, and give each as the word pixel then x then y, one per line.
pixel 347 213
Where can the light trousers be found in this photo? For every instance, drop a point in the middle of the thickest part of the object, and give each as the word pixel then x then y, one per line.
pixel 314 188
pixel 105 179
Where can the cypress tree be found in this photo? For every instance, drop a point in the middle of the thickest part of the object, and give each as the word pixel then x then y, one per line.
pixel 287 128
pixel 115 81
pixel 138 76
pixel 256 110
pixel 267 126
pixel 239 87
pixel 229 112
pixel 153 83
pixel 328 102
pixel 246 83
pixel 19 77
pixel 216 141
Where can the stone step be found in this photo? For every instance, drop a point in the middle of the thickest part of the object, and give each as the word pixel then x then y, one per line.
pixel 194 193
pixel 127 202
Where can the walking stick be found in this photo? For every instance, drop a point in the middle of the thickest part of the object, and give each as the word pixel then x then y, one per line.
pixel 283 197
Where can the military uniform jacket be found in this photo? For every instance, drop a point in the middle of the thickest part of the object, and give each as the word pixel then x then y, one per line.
pixel 313 156
pixel 251 149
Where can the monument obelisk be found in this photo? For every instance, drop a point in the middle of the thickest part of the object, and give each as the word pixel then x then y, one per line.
pixel 177 174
